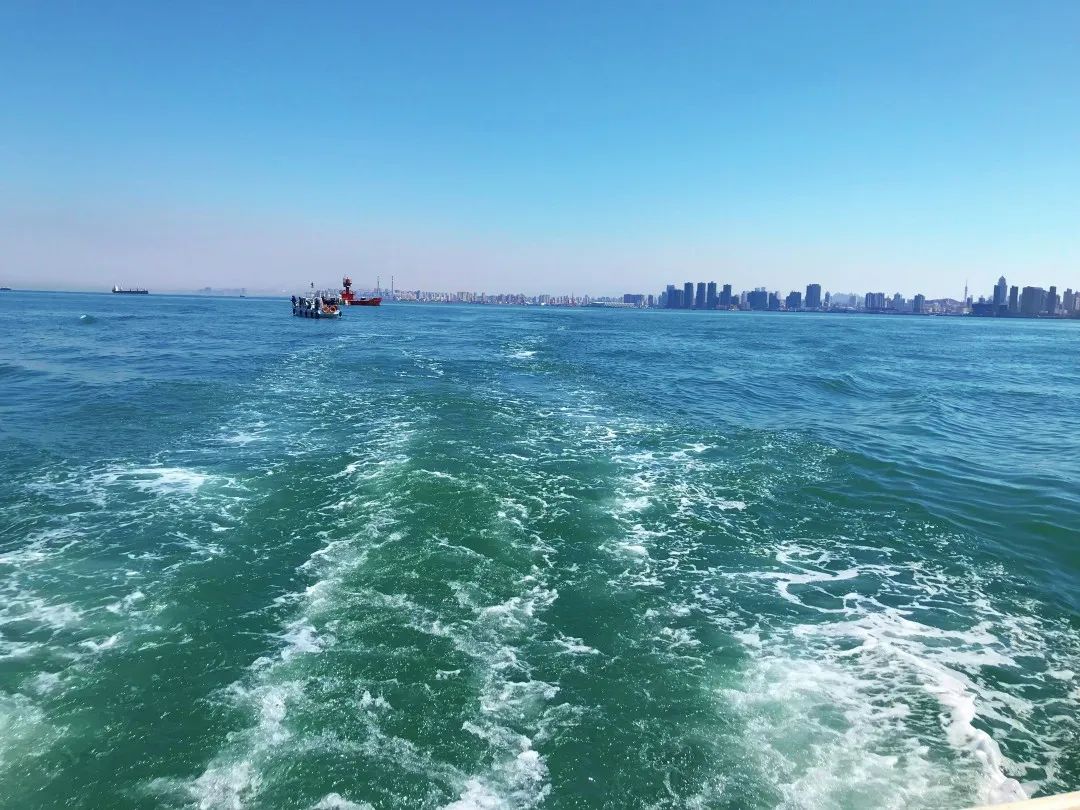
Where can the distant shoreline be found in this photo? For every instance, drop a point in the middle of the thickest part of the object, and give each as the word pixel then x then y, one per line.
pixel 579 306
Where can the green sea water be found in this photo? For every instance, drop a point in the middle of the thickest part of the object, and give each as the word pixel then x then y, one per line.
pixel 470 557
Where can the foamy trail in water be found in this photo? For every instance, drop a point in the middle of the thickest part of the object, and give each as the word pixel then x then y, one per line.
pixel 472 559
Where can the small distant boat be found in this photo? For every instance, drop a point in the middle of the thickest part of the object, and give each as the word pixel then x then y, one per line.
pixel 117 290
pixel 5 289
pixel 351 299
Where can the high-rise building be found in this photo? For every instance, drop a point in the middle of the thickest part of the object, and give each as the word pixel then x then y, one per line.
pixel 1068 301
pixel 828 299
pixel 1052 301
pixel 1014 300
pixel 699 299
pixel 1032 301
pixel 813 296
pixel 688 295
pixel 793 300
pixel 725 297
pixel 898 302
pixel 875 301
pixel 757 299
pixel 669 297
pixel 710 296
pixel 918 304
pixel 1001 291
pixel 774 301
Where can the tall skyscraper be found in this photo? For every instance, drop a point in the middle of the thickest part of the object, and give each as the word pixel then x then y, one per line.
pixel 875 301
pixel 1032 301
pixel 710 296
pixel 688 295
pixel 1068 301
pixel 1052 301
pixel 669 300
pixel 793 300
pixel 1001 291
pixel 699 298
pixel 813 296
pixel 774 301
pixel 725 297
pixel 918 304
pixel 757 299
pixel 1014 300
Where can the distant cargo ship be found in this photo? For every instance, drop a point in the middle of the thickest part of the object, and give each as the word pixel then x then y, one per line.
pixel 134 291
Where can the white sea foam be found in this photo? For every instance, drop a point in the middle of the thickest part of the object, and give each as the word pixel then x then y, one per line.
pixel 888 638
pixel 274 684
pixel 637 504
pixel 16 649
pixel 96 645
pixel 373 704
pixel 24 730
pixel 162 480
pixel 300 638
pixel 575 646
pixel 126 604
pixel 517 781
pixel 45 682
pixel 25 607
pixel 335 801
pixel 41 546
pixel 241 438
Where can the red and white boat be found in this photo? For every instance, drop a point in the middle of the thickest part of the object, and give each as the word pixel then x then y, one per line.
pixel 351 299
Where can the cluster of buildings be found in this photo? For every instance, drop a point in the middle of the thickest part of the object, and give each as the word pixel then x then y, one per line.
pixel 1005 301
pixel 1029 302
pixel 505 299
pixel 707 295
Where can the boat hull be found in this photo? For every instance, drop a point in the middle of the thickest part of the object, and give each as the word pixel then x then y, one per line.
pixel 302 312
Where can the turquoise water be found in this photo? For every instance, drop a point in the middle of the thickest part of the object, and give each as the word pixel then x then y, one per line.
pixel 473 557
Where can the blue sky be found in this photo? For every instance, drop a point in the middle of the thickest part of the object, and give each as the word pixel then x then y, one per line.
pixel 552 146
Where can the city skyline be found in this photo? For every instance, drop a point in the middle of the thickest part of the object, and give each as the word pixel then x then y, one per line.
pixel 486 145
pixel 1004 300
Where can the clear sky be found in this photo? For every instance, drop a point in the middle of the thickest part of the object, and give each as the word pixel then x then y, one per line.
pixel 548 146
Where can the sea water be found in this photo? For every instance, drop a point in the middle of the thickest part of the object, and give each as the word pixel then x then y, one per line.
pixel 480 557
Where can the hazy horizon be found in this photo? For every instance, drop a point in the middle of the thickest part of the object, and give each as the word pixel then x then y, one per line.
pixel 598 150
